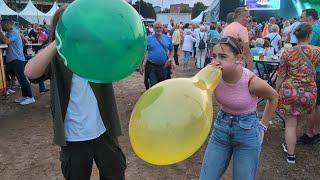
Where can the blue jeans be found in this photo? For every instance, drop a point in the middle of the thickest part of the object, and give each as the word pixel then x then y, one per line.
pixel 17 67
pixel 42 87
pixel 237 136
pixel 155 73
pixel 187 56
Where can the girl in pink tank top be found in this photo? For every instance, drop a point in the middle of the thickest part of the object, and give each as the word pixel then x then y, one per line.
pixel 237 132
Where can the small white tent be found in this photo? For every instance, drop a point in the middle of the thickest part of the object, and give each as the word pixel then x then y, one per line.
pixel 210 14
pixel 32 14
pixel 198 19
pixel 51 12
pixel 5 10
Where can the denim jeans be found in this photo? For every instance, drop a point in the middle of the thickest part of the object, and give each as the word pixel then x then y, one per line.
pixel 237 136
pixel 175 55
pixel 17 67
pixel 155 74
pixel 42 86
pixel 187 56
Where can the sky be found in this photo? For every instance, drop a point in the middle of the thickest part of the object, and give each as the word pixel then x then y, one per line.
pixel 166 3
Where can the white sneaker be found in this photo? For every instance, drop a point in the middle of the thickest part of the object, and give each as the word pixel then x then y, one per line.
pixel 10 91
pixel 20 99
pixel 27 101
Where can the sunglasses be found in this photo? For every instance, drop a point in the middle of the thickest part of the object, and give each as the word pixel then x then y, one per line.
pixel 228 41
pixel 158 27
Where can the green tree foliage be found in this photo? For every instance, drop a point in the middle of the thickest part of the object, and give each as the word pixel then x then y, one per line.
pixel 186 10
pixel 145 9
pixel 197 9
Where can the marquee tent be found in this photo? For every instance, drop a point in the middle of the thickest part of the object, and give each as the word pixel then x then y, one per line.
pixel 32 14
pixel 5 10
pixel 210 14
pixel 51 12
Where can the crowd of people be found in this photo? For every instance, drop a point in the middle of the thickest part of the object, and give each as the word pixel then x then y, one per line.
pixel 86 122
pixel 231 45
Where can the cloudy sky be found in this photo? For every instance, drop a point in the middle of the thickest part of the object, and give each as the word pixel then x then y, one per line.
pixel 166 3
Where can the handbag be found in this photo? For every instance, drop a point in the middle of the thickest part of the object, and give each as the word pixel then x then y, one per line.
pixel 165 50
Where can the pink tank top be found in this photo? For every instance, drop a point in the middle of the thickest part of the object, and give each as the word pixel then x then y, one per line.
pixel 236 98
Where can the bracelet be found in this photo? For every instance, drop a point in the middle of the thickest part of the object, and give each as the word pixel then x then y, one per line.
pixel 264 127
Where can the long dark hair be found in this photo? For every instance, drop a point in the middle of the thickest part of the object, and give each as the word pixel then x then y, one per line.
pixel 55 20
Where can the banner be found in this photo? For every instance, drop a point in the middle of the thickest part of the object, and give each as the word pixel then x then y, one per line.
pixel 263 4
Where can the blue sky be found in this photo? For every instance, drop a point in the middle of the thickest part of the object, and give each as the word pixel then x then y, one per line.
pixel 166 3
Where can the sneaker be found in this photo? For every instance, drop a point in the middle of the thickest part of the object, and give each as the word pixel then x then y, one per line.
pixel 27 101
pixel 284 147
pixel 305 139
pixel 20 99
pixel 10 91
pixel 291 159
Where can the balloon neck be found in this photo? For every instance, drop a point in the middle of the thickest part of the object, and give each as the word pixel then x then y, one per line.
pixel 208 77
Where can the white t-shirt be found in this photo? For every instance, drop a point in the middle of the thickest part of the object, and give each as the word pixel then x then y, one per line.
pixel 188 43
pixel 83 121
pixel 275 38
pixel 290 30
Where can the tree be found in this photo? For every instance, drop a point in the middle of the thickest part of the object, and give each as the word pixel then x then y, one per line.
pixel 145 9
pixel 186 10
pixel 197 9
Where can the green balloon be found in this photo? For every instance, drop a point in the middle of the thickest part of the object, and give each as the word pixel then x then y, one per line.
pixel 101 40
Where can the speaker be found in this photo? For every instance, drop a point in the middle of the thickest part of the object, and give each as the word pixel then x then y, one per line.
pixel 227 6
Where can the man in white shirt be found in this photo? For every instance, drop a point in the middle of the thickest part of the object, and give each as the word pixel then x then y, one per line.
pixel 289 31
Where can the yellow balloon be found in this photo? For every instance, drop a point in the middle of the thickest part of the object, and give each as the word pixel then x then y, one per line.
pixel 172 120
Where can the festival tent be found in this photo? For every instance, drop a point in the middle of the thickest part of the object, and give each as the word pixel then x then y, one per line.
pixel 5 10
pixel 198 19
pixel 51 12
pixel 32 14
pixel 211 14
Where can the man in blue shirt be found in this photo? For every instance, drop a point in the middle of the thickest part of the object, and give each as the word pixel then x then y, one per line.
pixel 15 59
pixel 158 58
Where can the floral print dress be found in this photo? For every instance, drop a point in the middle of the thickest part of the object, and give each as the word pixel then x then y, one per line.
pixel 298 92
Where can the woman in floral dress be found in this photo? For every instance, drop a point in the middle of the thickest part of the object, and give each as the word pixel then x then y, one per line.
pixel 296 85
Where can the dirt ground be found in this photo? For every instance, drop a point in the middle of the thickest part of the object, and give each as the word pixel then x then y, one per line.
pixel 27 152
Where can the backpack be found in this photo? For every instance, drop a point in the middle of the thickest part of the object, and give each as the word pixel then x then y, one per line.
pixel 202 44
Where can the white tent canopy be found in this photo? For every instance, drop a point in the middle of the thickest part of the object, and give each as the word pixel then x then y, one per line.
pixel 5 10
pixel 51 12
pixel 210 14
pixel 198 19
pixel 32 14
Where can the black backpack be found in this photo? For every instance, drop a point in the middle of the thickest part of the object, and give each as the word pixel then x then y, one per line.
pixel 202 44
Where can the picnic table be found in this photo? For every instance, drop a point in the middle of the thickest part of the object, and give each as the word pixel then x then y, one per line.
pixel 270 66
